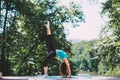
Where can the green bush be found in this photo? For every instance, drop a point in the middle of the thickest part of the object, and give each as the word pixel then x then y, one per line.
pixel 114 72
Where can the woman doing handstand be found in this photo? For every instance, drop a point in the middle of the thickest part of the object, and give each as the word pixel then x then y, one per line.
pixel 52 52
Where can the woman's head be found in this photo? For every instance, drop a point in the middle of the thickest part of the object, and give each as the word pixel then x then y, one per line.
pixel 63 69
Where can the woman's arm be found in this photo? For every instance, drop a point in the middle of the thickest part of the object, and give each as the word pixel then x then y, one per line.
pixel 68 67
pixel 60 70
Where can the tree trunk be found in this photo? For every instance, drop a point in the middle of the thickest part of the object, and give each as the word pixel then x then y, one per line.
pixel 8 47
pixel 0 27
pixel 3 55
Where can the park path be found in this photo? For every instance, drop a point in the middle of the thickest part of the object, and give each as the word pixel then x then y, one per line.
pixel 80 77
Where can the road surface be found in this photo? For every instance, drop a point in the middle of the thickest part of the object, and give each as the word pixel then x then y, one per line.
pixel 80 77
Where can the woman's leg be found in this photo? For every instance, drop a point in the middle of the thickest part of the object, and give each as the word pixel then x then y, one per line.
pixel 50 43
pixel 50 55
pixel 51 51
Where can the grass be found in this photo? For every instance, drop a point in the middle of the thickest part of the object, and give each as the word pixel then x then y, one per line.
pixel 90 73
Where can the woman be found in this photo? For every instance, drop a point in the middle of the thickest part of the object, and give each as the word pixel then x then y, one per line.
pixel 52 52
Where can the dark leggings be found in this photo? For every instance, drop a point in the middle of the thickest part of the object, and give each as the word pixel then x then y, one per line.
pixel 51 51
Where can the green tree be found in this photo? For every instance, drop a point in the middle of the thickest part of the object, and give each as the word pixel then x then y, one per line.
pixel 24 37
pixel 108 47
pixel 84 56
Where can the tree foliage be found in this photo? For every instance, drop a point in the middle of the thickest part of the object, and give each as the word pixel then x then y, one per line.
pixel 108 47
pixel 23 41
pixel 102 55
pixel 84 56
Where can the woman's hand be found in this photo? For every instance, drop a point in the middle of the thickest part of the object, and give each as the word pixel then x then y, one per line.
pixel 69 76
pixel 68 67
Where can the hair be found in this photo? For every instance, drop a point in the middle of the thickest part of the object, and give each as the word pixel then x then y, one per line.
pixel 63 69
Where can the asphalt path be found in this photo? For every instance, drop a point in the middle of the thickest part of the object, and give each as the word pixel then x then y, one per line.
pixel 79 77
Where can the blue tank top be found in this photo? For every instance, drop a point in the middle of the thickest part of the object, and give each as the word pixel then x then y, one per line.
pixel 61 54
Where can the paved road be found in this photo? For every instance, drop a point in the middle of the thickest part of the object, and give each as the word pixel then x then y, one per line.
pixel 80 77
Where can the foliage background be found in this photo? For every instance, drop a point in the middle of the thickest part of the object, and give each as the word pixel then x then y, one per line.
pixel 23 41
pixel 102 55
